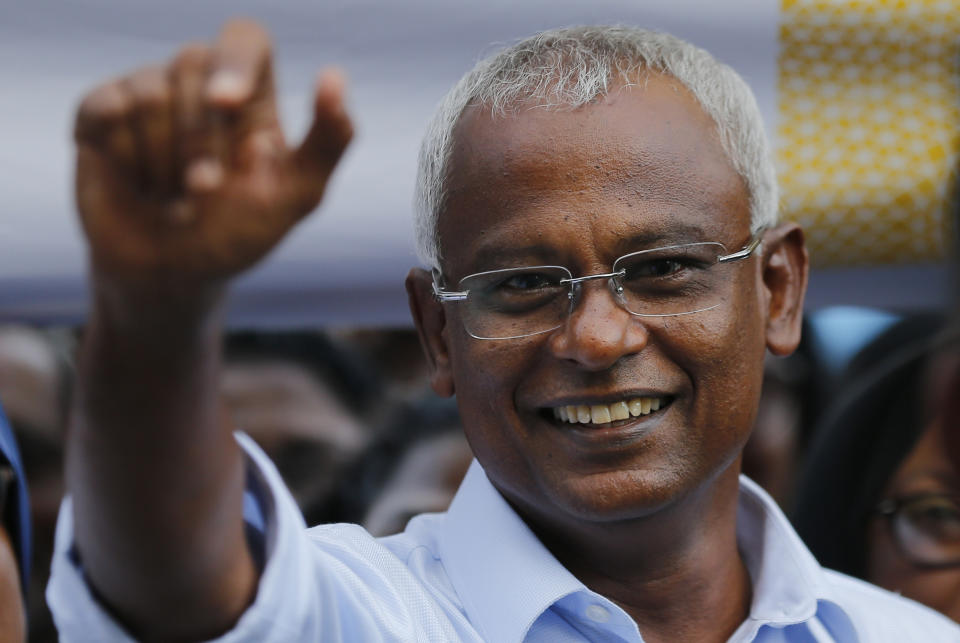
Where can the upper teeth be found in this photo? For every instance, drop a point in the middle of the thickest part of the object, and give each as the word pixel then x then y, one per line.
pixel 604 413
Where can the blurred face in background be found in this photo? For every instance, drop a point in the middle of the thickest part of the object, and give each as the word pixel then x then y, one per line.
pixel 916 551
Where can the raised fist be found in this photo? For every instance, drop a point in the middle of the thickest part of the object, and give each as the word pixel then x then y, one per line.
pixel 183 173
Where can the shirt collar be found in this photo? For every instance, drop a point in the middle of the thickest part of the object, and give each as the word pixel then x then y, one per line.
pixel 787 580
pixel 506 578
pixel 501 571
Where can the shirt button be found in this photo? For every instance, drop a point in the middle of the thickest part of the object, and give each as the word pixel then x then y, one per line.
pixel 598 613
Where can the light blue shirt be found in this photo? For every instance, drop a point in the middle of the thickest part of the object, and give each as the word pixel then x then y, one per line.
pixel 477 573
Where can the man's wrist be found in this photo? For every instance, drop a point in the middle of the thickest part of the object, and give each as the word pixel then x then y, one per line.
pixel 174 305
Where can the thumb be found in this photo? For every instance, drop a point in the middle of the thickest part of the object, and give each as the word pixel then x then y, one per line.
pixel 329 134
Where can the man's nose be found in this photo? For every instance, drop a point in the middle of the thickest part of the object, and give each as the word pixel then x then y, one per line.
pixel 599 330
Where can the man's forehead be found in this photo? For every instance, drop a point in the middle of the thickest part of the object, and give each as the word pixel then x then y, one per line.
pixel 647 97
pixel 648 152
pixel 656 137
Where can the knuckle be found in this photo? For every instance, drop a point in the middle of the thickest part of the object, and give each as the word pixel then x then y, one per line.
pixel 108 101
pixel 245 46
pixel 247 29
pixel 149 89
pixel 193 55
pixel 102 108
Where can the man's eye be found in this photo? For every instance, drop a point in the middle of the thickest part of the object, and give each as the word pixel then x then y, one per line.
pixel 526 281
pixel 517 293
pixel 654 268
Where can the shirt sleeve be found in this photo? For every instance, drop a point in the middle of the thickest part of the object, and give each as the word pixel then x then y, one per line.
pixel 285 593
pixel 331 583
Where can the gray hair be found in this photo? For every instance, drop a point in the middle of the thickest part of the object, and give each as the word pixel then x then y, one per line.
pixel 571 67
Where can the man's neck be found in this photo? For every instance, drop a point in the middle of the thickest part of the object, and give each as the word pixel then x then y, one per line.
pixel 678 573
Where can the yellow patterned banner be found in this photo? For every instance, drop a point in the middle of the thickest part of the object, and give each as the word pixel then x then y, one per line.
pixel 869 127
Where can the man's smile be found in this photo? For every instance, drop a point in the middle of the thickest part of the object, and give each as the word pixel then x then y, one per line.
pixel 610 421
pixel 622 409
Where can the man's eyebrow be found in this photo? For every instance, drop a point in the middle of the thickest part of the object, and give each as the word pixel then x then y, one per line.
pixel 675 234
pixel 491 257
pixel 497 255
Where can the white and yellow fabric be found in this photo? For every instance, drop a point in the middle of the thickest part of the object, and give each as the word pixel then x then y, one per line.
pixel 869 126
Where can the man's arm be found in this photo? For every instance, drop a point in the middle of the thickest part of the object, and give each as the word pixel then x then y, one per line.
pixel 183 181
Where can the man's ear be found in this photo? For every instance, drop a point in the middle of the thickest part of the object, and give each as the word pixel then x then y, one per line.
pixel 431 321
pixel 785 267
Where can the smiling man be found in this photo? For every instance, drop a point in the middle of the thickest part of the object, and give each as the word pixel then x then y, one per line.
pixel 597 211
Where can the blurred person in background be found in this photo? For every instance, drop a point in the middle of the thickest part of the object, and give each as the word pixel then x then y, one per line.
pixel 14 540
pixel 349 420
pixel 424 479
pixel 35 373
pixel 310 403
pixel 15 528
pixel 418 456
pixel 789 403
pixel 880 495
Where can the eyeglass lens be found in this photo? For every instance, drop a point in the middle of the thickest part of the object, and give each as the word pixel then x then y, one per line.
pixel 515 303
pixel 525 301
pixel 927 528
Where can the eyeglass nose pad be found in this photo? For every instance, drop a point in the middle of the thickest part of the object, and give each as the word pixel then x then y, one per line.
pixel 617 289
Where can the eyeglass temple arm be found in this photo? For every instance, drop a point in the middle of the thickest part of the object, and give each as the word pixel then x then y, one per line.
pixel 745 252
pixel 447 295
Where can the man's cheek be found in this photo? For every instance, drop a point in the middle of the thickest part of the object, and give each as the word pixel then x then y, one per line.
pixel 484 370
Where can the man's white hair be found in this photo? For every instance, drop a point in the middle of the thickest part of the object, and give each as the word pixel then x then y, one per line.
pixel 567 68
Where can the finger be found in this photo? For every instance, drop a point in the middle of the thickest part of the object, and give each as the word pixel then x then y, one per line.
pixel 241 64
pixel 241 88
pixel 198 132
pixel 329 134
pixel 152 120
pixel 103 124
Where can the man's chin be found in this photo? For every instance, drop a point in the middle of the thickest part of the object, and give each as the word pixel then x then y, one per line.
pixel 617 495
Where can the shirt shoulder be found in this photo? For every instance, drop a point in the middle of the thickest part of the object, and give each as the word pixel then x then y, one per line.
pixel 330 583
pixel 420 538
pixel 880 615
pixel 409 557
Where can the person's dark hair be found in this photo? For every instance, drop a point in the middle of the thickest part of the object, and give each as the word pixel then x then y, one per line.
pixel 873 423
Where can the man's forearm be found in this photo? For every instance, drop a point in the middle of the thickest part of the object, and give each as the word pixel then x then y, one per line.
pixel 155 473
